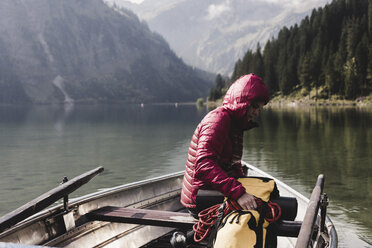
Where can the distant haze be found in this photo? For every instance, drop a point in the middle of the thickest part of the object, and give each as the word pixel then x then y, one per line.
pixel 72 51
pixel 214 34
pixel 136 1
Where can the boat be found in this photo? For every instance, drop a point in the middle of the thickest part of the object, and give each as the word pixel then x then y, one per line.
pixel 146 213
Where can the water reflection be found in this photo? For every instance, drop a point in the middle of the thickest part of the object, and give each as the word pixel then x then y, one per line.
pixel 41 144
pixel 299 144
pixel 68 108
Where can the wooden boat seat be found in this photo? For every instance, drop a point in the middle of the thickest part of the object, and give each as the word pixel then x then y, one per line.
pixel 170 219
pixel 143 217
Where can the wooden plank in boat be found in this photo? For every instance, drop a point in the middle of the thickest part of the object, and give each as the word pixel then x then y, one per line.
pixel 308 223
pixel 143 217
pixel 170 219
pixel 46 199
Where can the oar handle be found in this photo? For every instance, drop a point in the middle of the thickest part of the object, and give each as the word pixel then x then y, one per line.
pixel 46 199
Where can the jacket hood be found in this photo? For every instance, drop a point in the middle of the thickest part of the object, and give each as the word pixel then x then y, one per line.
pixel 247 89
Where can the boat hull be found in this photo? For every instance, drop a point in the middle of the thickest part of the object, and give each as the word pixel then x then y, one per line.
pixel 56 227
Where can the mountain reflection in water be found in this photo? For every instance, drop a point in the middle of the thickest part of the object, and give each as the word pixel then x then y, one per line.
pixel 41 144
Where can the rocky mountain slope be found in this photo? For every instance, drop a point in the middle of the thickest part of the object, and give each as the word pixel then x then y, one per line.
pixel 82 50
pixel 214 34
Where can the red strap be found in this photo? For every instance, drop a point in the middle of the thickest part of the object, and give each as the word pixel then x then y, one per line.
pixel 208 217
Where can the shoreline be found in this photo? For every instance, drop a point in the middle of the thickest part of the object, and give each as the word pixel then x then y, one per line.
pixel 305 104
pixel 278 102
pixel 275 102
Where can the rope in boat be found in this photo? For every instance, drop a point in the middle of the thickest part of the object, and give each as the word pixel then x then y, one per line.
pixel 209 216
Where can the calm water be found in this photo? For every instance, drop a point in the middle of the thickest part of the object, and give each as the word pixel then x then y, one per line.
pixel 39 145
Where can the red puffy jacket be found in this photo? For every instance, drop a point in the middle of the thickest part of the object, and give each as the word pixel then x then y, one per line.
pixel 214 156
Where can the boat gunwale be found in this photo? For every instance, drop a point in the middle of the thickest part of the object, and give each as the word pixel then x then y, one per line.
pixel 116 189
pixel 76 202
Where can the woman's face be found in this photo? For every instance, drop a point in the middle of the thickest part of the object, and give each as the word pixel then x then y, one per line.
pixel 254 110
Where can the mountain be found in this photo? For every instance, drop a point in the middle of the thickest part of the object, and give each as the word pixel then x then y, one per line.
pixel 214 34
pixel 82 50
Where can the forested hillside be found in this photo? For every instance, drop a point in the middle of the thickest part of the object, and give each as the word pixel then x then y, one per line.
pixel 330 51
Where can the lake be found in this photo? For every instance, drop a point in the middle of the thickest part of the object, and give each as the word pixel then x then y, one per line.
pixel 40 145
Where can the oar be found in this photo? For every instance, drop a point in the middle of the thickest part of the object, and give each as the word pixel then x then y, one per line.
pixel 46 199
pixel 307 226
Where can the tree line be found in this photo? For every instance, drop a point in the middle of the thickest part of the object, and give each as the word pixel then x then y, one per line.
pixel 330 51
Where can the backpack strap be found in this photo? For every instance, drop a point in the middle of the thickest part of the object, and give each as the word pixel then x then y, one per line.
pixel 259 227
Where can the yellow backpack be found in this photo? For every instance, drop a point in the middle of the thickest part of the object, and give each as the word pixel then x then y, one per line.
pixel 245 228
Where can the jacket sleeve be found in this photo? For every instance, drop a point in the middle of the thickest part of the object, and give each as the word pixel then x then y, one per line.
pixel 212 138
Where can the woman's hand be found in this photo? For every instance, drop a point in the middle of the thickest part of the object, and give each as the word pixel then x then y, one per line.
pixel 247 202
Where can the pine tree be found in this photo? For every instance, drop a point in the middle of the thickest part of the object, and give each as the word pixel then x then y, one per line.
pixel 331 76
pixel 351 78
pixel 331 48
pixel 269 60
pixel 369 63
pixel 361 61
pixel 304 72
pixel 369 20
pixel 258 64
pixel 238 70
pixel 220 82
pixel 217 91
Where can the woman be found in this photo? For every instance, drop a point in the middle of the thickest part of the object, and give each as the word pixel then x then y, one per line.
pixel 215 151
